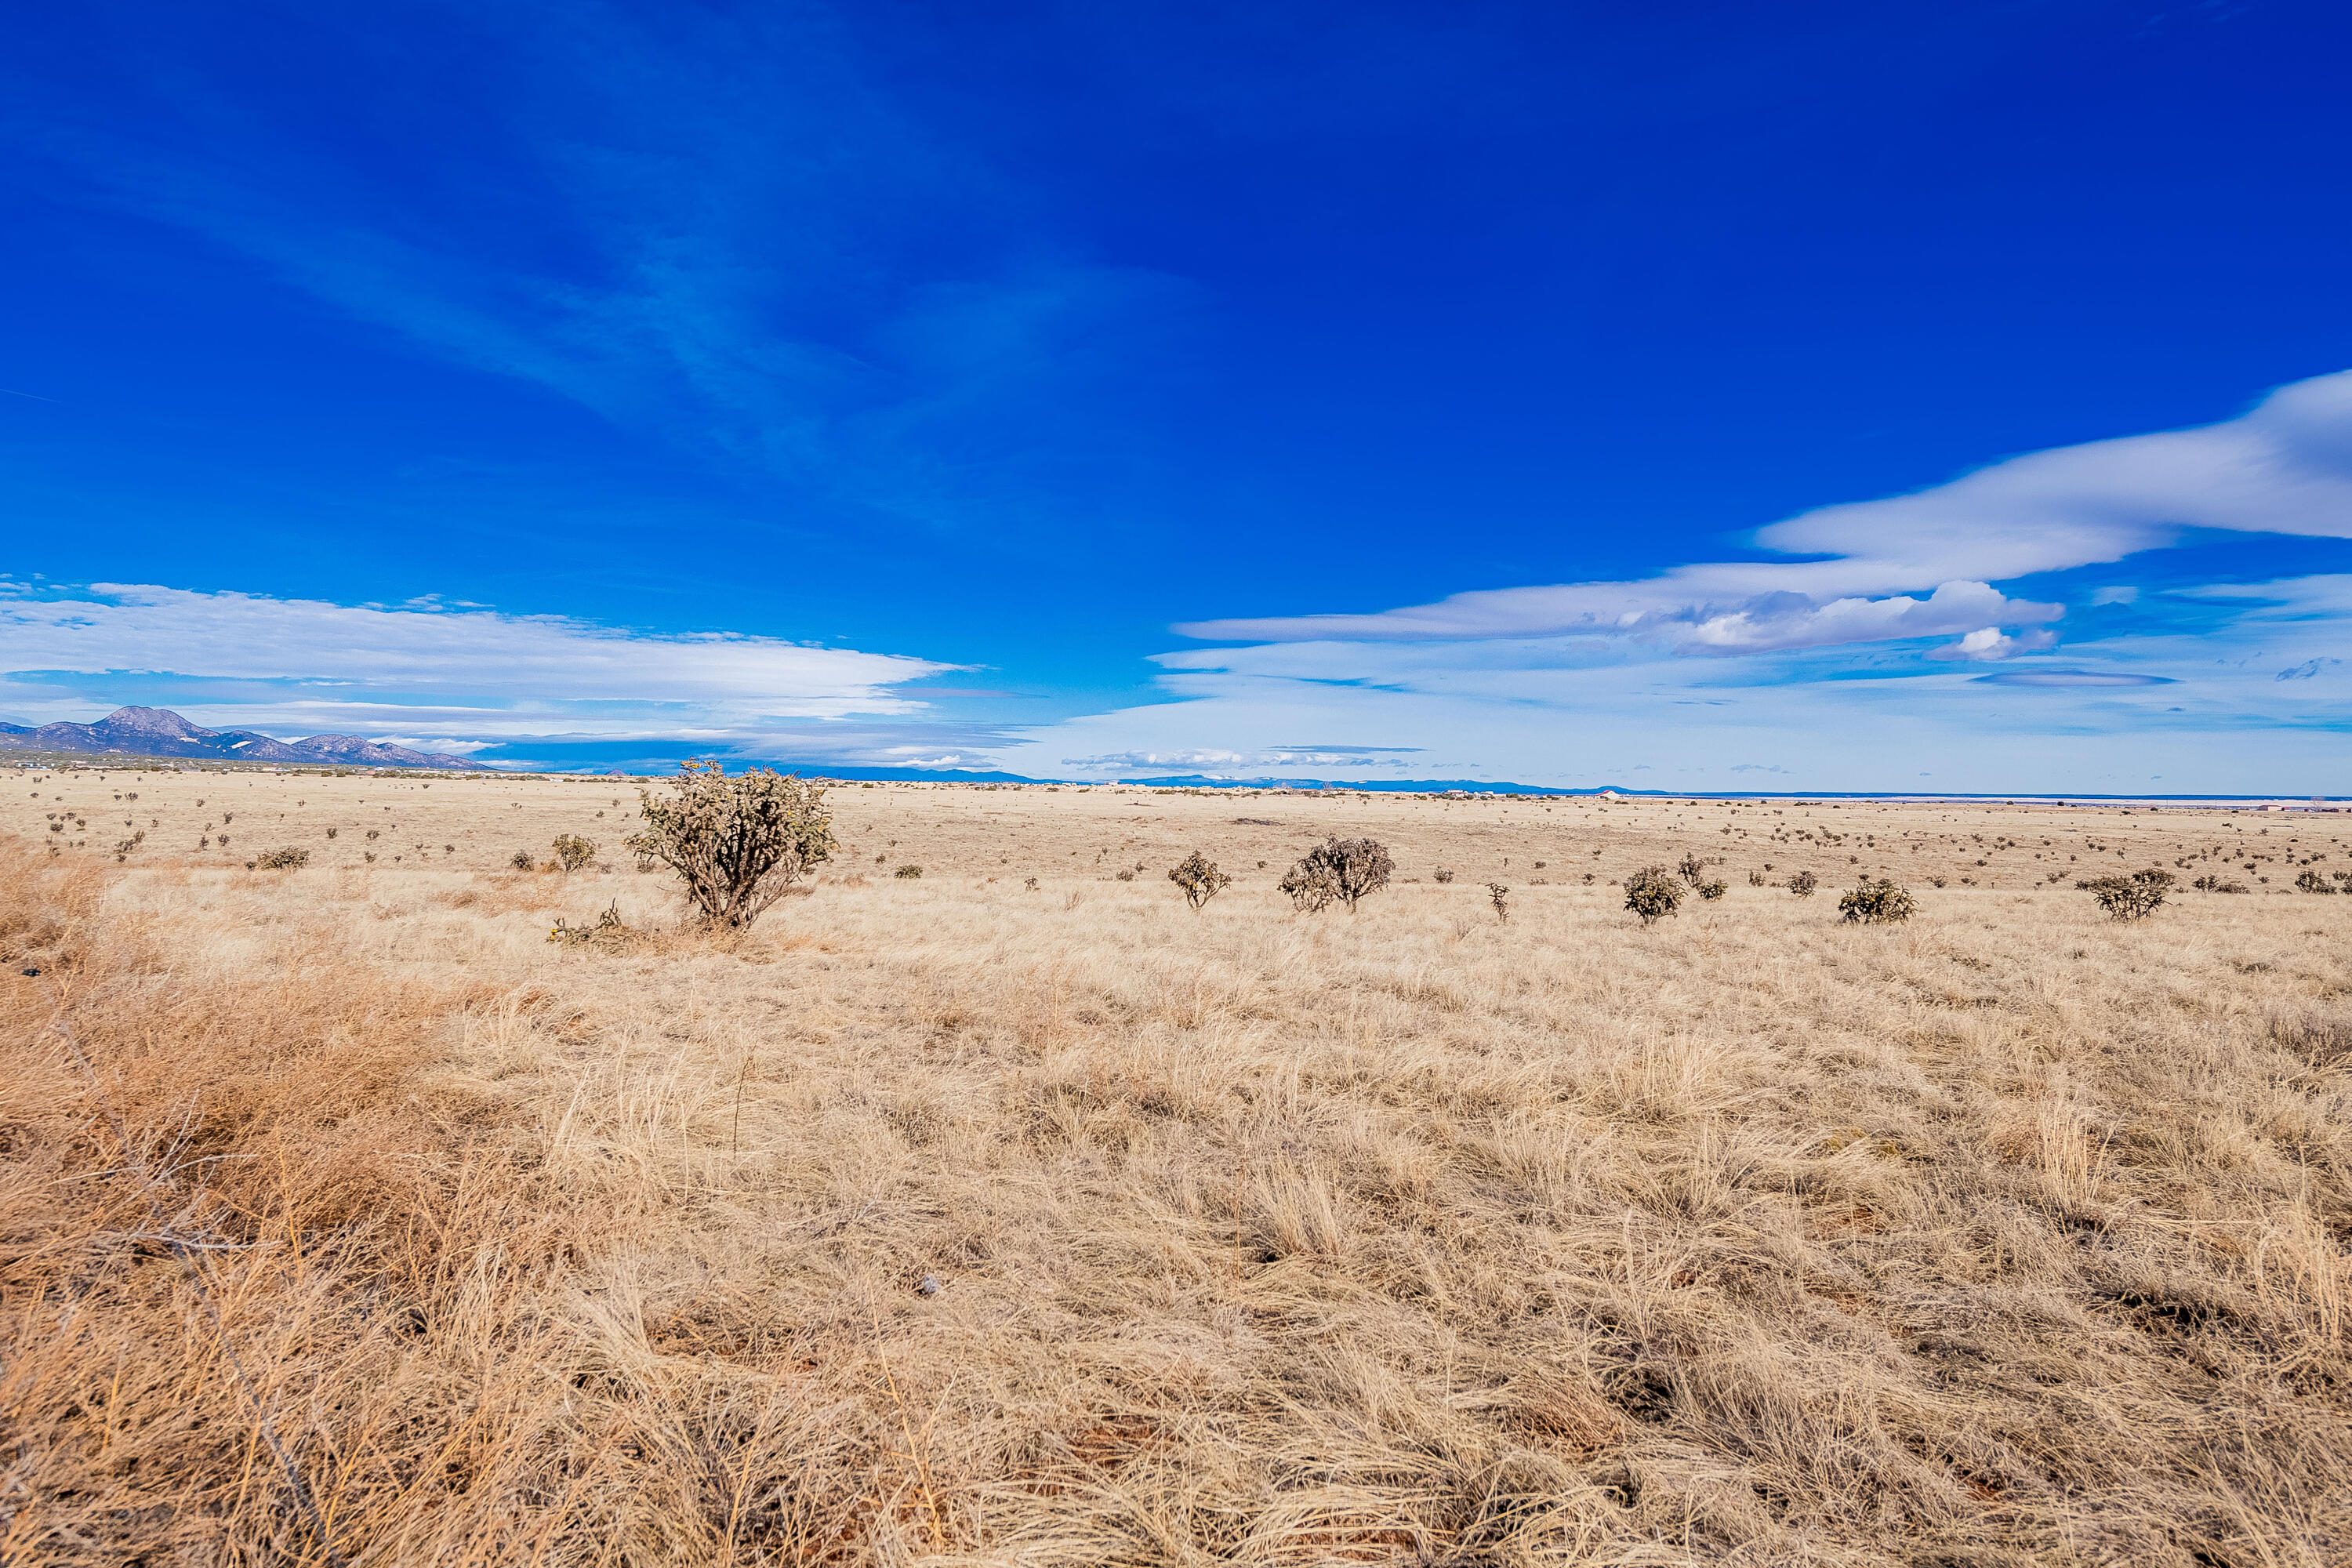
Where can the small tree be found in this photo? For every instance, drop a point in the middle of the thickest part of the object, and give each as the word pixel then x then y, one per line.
pixel 1346 870
pixel 1803 883
pixel 2131 897
pixel 1499 896
pixel 571 851
pixel 1878 902
pixel 737 843
pixel 1200 879
pixel 1651 894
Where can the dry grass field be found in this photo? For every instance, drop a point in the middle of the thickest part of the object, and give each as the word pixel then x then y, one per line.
pixel 950 1219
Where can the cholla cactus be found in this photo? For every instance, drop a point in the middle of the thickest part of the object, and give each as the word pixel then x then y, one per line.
pixel 1651 894
pixel 737 843
pixel 572 852
pixel 1341 869
pixel 1878 902
pixel 2135 897
pixel 1200 879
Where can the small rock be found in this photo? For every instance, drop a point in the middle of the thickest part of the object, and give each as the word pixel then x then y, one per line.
pixel 931 1285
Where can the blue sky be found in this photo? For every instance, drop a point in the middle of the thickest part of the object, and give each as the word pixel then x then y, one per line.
pixel 1681 397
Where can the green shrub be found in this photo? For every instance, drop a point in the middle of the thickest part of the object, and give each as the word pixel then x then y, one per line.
pixel 1651 894
pixel 1713 890
pixel 2131 897
pixel 1803 883
pixel 283 860
pixel 1200 879
pixel 1878 901
pixel 736 843
pixel 1341 869
pixel 572 852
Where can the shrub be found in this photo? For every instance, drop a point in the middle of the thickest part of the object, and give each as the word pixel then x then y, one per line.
pixel 908 872
pixel 1713 890
pixel 283 860
pixel 2216 885
pixel 737 843
pixel 1125 874
pixel 1651 894
pixel 1755 878
pixel 1443 874
pixel 2312 882
pixel 521 861
pixel 1345 869
pixel 1499 896
pixel 1691 869
pixel 1200 879
pixel 331 833
pixel 609 931
pixel 1876 901
pixel 1803 883
pixel 571 851
pixel 2131 897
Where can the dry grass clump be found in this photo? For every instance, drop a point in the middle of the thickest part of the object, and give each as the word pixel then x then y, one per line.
pixel 2009 1234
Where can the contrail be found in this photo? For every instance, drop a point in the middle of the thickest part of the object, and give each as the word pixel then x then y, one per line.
pixel 34 395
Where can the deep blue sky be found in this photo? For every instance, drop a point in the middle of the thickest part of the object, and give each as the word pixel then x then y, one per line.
pixel 1009 337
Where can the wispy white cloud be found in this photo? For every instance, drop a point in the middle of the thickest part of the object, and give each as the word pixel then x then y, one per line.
pixel 304 665
pixel 2224 686
pixel 2283 468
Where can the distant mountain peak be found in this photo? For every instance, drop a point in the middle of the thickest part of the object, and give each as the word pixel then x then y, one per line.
pixel 160 732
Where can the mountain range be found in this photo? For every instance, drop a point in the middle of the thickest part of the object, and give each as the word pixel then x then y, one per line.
pixel 160 732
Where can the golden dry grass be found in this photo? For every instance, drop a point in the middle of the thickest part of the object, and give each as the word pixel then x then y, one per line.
pixel 2011 1236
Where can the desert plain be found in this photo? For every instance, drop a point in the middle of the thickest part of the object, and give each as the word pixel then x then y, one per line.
pixel 1017 1213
